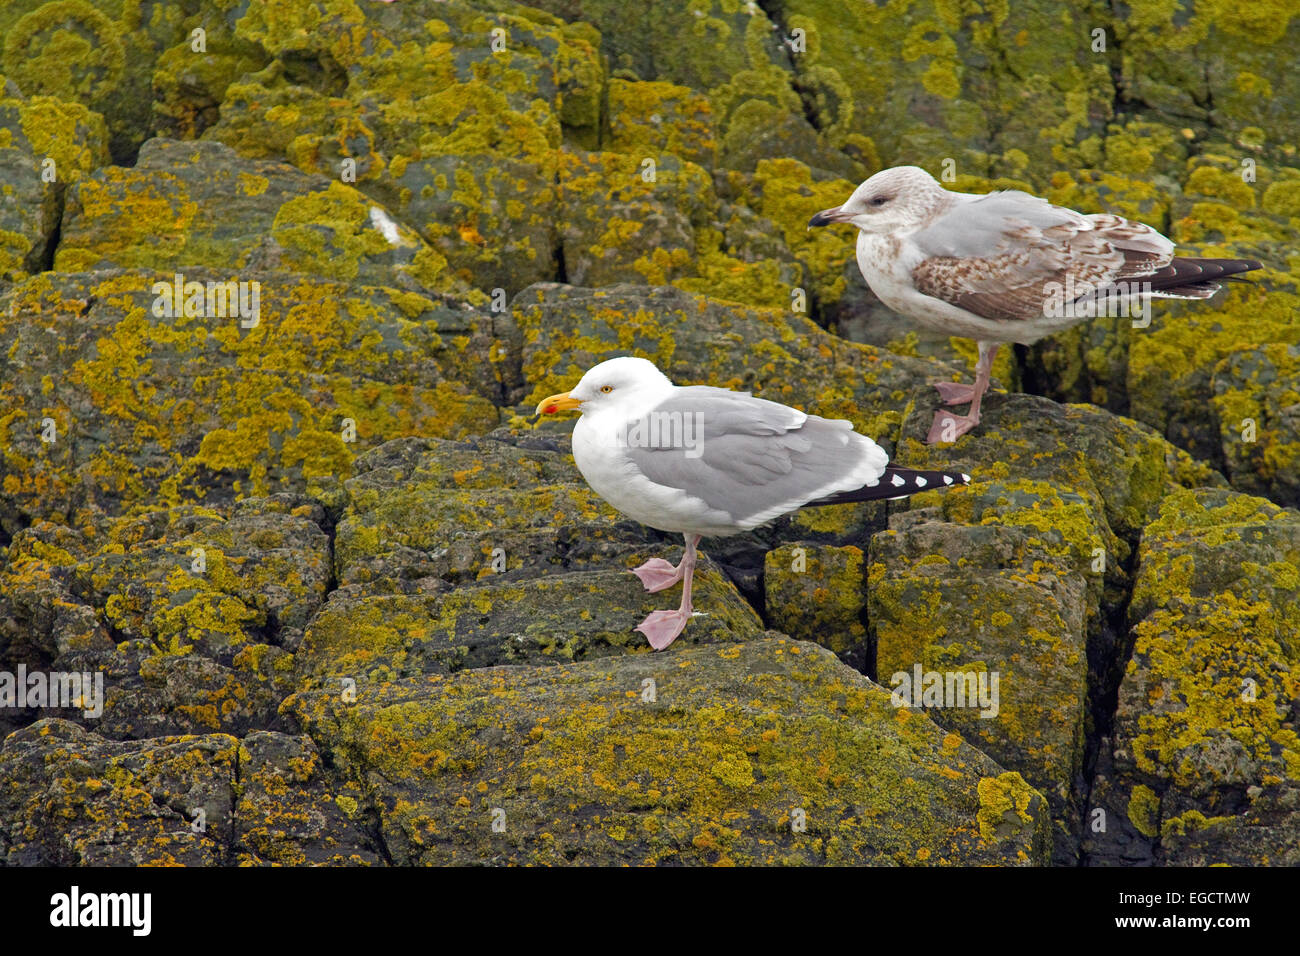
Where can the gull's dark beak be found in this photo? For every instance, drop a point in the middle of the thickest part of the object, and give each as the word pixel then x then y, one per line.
pixel 828 216
pixel 563 402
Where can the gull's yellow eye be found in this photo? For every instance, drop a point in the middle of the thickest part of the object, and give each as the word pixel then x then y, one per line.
pixel 607 389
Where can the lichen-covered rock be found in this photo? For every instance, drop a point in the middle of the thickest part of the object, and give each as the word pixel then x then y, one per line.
pixel 1217 66
pixel 453 123
pixel 190 615
pixel 1117 465
pixel 109 401
pixel 556 618
pixel 200 205
pixel 493 218
pixel 321 502
pixel 628 219
pixel 1002 621
pixel 1037 553
pixel 1257 396
pixel 769 751
pixel 649 118
pixel 778 354
pixel 744 260
pixel 1172 365
pixel 998 92
pixel 816 593
pixel 98 53
pixel 537 564
pixel 192 77
pixel 786 192
pixel 1202 764
pixel 45 143
pixel 474 510
pixel 72 798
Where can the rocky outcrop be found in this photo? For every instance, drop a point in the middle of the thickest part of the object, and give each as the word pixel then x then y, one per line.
pixel 350 605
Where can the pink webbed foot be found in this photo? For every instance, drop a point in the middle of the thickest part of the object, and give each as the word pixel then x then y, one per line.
pixel 661 628
pixel 657 575
pixel 955 393
pixel 948 427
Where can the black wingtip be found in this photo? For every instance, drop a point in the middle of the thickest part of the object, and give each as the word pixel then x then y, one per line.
pixel 899 483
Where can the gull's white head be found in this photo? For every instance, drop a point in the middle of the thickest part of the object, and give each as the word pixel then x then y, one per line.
pixel 892 200
pixel 608 384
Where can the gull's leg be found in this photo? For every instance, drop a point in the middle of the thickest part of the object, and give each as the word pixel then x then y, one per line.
pixel 955 393
pixel 658 575
pixel 948 427
pixel 661 628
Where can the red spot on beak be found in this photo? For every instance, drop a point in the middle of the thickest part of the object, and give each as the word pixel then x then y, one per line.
pixel 550 410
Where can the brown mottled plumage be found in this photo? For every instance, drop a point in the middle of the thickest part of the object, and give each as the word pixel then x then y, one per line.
pixel 1006 267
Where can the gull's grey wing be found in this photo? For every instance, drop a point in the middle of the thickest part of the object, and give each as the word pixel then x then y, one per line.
pixel 999 255
pixel 748 457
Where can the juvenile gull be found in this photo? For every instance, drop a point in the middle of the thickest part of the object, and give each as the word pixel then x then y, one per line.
pixel 703 461
pixel 1006 267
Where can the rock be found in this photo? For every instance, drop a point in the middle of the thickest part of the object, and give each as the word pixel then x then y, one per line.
pixel 1002 622
pixel 72 798
pixel 1257 397
pixel 190 615
pixel 99 58
pixel 557 618
pixel 1232 56
pixel 770 751
pixel 1019 574
pixel 622 220
pixel 696 340
pixel 191 80
pixel 745 261
pixel 537 563
pixel 928 83
pixel 788 193
pixel 1202 765
pixel 660 40
pixel 493 218
pixel 192 205
pixel 452 123
pixel 816 593
pixel 474 510
pixel 651 118
pixel 409 611
pixel 166 410
pixel 45 143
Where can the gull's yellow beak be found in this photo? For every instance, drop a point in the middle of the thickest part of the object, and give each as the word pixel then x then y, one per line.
pixel 564 402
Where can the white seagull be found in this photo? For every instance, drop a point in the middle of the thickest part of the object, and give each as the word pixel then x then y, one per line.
pixel 699 461
pixel 1006 267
